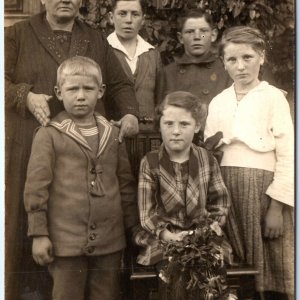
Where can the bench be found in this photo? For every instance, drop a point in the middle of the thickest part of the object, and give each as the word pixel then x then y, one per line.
pixel 144 282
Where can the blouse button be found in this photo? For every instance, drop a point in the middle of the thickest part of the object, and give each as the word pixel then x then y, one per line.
pixel 205 91
pixel 93 226
pixel 182 71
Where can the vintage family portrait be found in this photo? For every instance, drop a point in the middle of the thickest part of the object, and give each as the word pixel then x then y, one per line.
pixel 149 149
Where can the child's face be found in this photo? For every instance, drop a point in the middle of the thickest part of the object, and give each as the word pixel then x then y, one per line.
pixel 243 64
pixel 196 37
pixel 177 128
pixel 128 19
pixel 79 94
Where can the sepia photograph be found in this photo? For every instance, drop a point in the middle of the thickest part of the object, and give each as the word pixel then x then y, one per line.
pixel 149 149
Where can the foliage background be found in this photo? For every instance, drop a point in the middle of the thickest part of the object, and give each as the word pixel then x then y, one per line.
pixel 275 18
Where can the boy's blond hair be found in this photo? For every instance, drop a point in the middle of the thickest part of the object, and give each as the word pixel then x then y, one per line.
pixel 79 65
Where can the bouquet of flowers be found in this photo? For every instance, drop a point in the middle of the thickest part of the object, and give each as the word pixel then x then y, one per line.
pixel 195 267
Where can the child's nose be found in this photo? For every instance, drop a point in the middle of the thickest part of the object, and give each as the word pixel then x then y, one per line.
pixel 176 129
pixel 80 94
pixel 241 64
pixel 197 34
pixel 128 18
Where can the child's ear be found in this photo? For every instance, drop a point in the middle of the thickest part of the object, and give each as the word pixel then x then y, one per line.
pixel 101 91
pixel 197 128
pixel 58 93
pixel 179 36
pixel 111 18
pixel 262 57
pixel 214 35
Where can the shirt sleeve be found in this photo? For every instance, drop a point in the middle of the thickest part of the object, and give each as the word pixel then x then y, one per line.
pixel 282 187
pixel 39 177
pixel 119 88
pixel 15 94
pixel 211 126
pixel 218 198
pixel 127 189
pixel 149 217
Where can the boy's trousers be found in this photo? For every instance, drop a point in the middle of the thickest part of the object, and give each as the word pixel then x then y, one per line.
pixel 95 276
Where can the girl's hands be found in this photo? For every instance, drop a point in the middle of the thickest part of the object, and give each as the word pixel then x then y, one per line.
pixel 169 236
pixel 273 225
pixel 42 250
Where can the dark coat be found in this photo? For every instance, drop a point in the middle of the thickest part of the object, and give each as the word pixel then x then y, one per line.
pixel 82 201
pixel 31 60
pixel 204 77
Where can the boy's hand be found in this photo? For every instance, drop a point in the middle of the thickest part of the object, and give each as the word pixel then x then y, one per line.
pixel 38 106
pixel 129 126
pixel 274 220
pixel 42 250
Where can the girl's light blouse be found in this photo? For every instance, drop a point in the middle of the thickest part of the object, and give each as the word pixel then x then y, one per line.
pixel 257 133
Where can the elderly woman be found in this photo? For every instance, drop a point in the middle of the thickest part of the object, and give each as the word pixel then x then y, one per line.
pixel 33 51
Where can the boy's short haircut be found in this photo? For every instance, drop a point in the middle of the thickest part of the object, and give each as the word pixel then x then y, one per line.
pixel 195 14
pixel 243 35
pixel 79 65
pixel 143 4
pixel 185 100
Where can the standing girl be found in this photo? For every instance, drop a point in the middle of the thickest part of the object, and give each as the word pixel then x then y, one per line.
pixel 257 165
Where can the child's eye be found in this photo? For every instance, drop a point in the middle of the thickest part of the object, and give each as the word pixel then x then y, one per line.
pixel 184 124
pixel 247 57
pixel 136 15
pixel 231 59
pixel 189 31
pixel 122 13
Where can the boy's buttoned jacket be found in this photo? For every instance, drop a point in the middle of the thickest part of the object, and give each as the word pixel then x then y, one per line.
pixel 204 77
pixel 81 201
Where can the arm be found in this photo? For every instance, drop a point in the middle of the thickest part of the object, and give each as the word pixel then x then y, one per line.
pixel 211 127
pixel 18 95
pixel 36 195
pixel 218 200
pixel 282 187
pixel 39 177
pixel 127 189
pixel 150 220
pixel 158 79
pixel 120 91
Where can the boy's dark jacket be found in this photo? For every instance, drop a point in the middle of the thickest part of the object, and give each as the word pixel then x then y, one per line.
pixel 82 202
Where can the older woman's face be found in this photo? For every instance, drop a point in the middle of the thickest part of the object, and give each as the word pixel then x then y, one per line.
pixel 61 10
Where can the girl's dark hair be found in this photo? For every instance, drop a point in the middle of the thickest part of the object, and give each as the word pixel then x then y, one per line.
pixel 143 4
pixel 194 13
pixel 185 100
pixel 243 35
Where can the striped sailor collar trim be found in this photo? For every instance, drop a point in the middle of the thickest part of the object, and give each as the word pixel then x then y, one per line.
pixel 66 125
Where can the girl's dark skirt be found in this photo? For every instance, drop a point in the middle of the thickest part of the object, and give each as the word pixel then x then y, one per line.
pixel 273 258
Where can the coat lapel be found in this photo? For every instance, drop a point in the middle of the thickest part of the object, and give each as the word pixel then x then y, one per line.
pixel 105 129
pixel 141 70
pixel 79 40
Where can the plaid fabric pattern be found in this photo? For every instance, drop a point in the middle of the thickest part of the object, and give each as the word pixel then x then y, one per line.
pixel 160 200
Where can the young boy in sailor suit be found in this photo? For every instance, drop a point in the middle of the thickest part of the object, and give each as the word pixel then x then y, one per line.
pixel 79 192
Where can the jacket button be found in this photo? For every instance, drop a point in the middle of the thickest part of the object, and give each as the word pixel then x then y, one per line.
pixel 205 91
pixel 93 170
pixel 92 236
pixel 182 71
pixel 92 183
pixel 93 226
pixel 90 249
